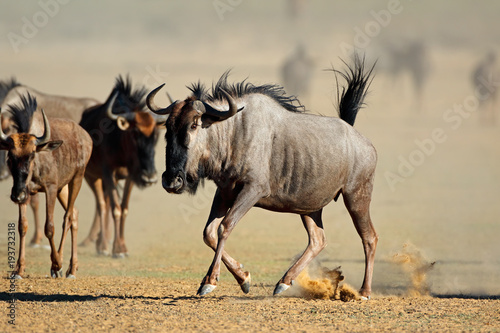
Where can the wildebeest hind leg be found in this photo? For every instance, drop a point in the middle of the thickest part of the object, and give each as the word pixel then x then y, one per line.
pixel 217 213
pixel 358 204
pixel 317 242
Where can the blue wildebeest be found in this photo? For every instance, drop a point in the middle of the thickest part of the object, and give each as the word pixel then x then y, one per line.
pixel 485 81
pixel 124 133
pixel 53 163
pixel 54 106
pixel 263 152
pixel 297 71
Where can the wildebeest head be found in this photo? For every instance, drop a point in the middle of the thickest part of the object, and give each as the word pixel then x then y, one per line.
pixel 185 125
pixel 23 146
pixel 138 128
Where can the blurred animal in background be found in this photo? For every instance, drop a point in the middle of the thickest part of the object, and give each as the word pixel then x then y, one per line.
pixel 400 56
pixel 124 135
pixel 261 150
pixel 295 9
pixel 53 162
pixel 11 93
pixel 485 81
pixel 297 72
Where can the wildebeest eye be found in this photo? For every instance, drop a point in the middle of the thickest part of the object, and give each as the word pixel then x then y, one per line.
pixel 194 125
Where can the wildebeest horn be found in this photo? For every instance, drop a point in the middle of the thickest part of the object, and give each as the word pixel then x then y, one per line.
pixel 3 136
pixel 170 98
pixel 222 115
pixel 109 109
pixel 155 108
pixel 46 131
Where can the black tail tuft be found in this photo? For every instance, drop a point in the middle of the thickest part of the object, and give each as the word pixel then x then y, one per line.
pixel 350 100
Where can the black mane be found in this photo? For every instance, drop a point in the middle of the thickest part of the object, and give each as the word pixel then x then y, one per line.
pixel 129 99
pixel 276 92
pixel 22 115
pixel 6 86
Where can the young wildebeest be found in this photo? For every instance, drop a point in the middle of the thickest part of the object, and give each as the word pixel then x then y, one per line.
pixel 55 106
pixel 124 133
pixel 53 163
pixel 271 156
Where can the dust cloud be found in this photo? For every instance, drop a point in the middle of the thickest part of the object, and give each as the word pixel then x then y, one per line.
pixel 318 282
pixel 413 262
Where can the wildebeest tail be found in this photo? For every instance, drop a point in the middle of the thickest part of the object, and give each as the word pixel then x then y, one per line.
pixel 350 99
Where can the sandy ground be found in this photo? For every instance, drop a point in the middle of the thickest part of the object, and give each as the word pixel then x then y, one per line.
pixel 443 208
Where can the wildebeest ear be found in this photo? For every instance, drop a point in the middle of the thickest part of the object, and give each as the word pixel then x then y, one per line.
pixel 49 146
pixel 122 123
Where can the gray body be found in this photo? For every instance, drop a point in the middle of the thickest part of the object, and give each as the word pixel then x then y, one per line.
pixel 262 152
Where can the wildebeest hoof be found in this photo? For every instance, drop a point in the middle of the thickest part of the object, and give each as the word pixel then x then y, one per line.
pixel 245 285
pixel 16 276
pixel 205 289
pixel 56 274
pixel 280 287
pixel 119 255
pixel 103 253
pixel 70 276
pixel 35 245
pixel 365 298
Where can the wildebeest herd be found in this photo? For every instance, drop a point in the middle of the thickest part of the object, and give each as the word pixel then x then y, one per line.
pixel 254 141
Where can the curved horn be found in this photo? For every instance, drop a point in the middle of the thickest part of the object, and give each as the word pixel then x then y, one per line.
pixel 46 131
pixel 222 115
pixel 3 136
pixel 170 98
pixel 155 108
pixel 109 108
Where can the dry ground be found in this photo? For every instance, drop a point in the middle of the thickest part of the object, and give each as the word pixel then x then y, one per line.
pixel 446 207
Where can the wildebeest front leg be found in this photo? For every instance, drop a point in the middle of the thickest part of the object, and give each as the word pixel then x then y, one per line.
pixel 121 248
pixel 217 213
pixel 56 268
pixel 38 235
pixel 245 200
pixel 23 229
pixel 116 211
pixel 317 242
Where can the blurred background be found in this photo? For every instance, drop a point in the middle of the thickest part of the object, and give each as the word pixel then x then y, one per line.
pixel 431 113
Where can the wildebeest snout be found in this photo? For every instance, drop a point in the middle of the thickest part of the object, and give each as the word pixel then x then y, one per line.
pixel 173 183
pixel 19 196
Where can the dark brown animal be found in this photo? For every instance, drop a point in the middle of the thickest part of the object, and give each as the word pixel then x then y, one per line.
pixel 124 135
pixel 261 151
pixel 53 163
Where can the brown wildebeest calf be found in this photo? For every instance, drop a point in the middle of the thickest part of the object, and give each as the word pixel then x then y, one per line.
pixel 55 106
pixel 272 156
pixel 53 163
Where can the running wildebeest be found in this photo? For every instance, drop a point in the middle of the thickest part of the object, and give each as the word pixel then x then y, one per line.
pixel 485 78
pixel 264 152
pixel 53 163
pixel 56 107
pixel 124 133
pixel 297 71
pixel 407 56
